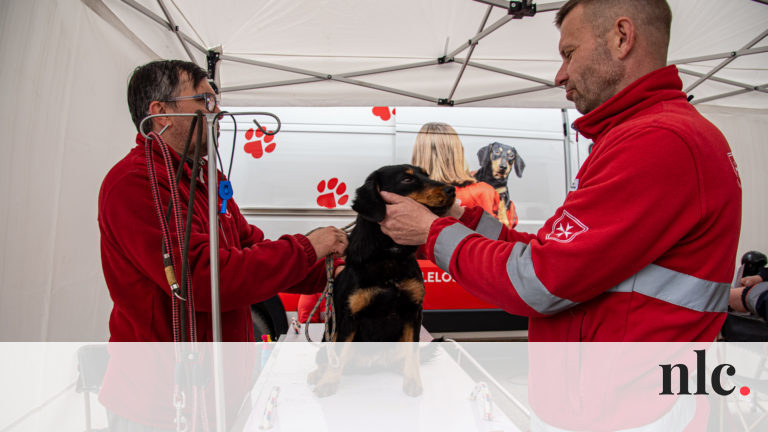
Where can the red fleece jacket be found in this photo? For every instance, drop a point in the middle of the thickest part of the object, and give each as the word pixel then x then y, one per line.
pixel 252 268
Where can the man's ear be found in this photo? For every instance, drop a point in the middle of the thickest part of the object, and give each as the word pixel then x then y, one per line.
pixel 368 202
pixel 156 107
pixel 624 36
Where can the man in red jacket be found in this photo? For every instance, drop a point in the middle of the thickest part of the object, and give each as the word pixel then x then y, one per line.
pixel 142 380
pixel 643 248
pixel 252 268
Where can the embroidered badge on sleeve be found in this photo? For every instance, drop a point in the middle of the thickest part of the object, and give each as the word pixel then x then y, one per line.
pixel 566 228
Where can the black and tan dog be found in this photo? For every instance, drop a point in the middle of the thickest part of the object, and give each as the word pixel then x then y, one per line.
pixel 378 296
pixel 496 163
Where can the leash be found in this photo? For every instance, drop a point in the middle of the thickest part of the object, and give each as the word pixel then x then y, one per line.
pixel 330 329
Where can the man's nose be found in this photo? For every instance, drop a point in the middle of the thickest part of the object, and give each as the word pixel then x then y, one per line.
pixel 561 78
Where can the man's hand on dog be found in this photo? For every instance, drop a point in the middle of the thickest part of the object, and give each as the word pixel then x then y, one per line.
pixel 407 222
pixel 327 241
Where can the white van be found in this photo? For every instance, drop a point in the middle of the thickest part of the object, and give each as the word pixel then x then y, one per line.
pixel 305 176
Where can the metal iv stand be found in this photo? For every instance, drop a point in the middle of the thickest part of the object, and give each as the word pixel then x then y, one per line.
pixel 212 120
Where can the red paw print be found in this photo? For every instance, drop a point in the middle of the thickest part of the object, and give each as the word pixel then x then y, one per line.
pixel 255 147
pixel 336 188
pixel 383 112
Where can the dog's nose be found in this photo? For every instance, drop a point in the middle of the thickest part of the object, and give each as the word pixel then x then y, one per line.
pixel 449 190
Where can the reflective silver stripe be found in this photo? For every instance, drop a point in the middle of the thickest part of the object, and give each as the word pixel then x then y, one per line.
pixel 754 294
pixel 447 241
pixel 489 227
pixel 677 288
pixel 527 284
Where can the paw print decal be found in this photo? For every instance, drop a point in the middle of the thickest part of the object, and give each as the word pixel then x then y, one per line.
pixel 255 147
pixel 383 112
pixel 334 189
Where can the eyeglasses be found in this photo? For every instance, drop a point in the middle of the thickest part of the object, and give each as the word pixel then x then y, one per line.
pixel 211 102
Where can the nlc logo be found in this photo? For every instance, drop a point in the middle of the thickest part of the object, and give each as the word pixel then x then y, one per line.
pixel 701 378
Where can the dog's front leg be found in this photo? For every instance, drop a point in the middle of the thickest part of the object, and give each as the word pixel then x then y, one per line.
pixel 328 383
pixel 411 368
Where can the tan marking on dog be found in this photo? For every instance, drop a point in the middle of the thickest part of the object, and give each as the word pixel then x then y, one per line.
pixel 407 335
pixel 361 298
pixel 496 169
pixel 411 374
pixel 409 171
pixel 414 289
pixel 433 196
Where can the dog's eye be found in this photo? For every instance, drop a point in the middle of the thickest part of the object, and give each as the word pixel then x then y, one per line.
pixel 496 151
pixel 408 180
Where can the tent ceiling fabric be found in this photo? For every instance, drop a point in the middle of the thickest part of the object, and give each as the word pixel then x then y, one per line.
pixel 278 53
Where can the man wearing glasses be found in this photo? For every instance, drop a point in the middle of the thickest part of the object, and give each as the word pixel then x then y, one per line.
pixel 252 269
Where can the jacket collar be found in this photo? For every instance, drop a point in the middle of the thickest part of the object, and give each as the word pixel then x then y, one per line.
pixel 658 86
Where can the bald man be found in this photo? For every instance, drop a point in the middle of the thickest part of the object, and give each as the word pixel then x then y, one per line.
pixel 644 246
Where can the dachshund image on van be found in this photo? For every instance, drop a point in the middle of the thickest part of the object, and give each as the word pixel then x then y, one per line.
pixel 496 163
pixel 378 296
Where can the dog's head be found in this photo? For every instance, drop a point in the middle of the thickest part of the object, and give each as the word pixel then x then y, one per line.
pixel 500 158
pixel 405 180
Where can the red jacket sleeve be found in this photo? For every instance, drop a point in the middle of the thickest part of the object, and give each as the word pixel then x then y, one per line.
pixel 247 274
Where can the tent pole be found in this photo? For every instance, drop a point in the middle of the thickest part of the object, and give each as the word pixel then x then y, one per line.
pixel 165 24
pixel 325 75
pixel 270 84
pixel 107 15
pixel 738 53
pixel 505 19
pixel 502 94
pixel 385 88
pixel 720 96
pixel 510 73
pixel 174 28
pixel 471 50
pixel 567 150
pixel 723 80
pixel 725 62
pixel 476 38
pixel 388 69
pixel 274 66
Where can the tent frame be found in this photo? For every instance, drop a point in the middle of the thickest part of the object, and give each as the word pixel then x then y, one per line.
pixel 483 31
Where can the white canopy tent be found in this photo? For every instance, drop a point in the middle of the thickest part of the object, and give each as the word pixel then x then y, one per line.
pixel 68 62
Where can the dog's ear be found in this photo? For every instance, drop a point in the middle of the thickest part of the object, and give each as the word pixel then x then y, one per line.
pixel 519 163
pixel 368 202
pixel 483 155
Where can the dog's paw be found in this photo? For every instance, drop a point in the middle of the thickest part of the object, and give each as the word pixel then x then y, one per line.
pixel 326 388
pixel 412 387
pixel 255 148
pixel 335 188
pixel 314 376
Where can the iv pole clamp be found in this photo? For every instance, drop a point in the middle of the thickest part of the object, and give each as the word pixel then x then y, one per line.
pixel 213 215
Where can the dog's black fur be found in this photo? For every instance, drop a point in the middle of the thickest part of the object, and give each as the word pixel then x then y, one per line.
pixel 496 163
pixel 378 296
